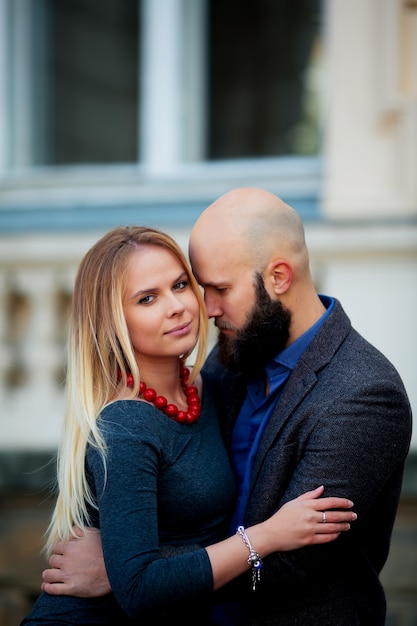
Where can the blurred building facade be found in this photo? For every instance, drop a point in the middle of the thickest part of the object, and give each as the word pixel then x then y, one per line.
pixel 145 111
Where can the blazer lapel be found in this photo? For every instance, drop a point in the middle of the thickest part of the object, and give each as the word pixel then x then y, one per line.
pixel 302 380
pixel 299 384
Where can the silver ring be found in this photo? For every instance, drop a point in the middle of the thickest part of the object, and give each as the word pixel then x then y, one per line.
pixel 324 520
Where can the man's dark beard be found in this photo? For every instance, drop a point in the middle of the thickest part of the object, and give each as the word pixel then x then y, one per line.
pixel 264 335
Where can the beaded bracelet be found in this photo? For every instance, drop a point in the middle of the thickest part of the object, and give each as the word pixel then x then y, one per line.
pixel 254 559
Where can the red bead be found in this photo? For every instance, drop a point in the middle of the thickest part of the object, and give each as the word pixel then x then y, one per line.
pixel 149 395
pixel 160 402
pixel 142 387
pixel 184 372
pixel 129 380
pixel 191 391
pixel 171 410
pixel 181 416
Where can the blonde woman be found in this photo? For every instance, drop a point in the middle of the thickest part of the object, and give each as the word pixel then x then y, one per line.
pixel 141 455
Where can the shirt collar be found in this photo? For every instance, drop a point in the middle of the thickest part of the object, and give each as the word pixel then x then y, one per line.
pixel 289 357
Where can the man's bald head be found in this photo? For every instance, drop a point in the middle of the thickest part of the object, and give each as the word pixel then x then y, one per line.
pixel 252 223
pixel 246 240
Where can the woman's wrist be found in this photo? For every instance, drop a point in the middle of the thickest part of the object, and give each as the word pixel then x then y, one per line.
pixel 264 538
pixel 254 559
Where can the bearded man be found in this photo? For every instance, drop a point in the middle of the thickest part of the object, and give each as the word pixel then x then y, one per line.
pixel 303 400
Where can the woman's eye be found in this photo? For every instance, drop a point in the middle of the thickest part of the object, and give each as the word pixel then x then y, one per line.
pixel 182 284
pixel 146 300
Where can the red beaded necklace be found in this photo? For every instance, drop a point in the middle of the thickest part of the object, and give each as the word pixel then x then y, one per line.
pixel 171 410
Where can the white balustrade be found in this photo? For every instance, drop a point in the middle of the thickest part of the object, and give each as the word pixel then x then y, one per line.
pixel 32 349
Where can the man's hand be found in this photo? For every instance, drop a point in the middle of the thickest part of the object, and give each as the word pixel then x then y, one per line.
pixel 77 567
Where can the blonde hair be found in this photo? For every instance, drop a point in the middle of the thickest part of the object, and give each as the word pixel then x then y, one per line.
pixel 98 347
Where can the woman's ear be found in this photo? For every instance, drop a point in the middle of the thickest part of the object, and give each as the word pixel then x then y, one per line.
pixel 278 276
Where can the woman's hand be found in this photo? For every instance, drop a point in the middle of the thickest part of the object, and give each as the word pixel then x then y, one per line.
pixel 305 521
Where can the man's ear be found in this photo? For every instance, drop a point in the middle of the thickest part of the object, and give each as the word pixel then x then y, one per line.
pixel 278 276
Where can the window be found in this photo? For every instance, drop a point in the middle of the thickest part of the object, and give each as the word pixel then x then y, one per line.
pixel 264 59
pixel 161 82
pixel 92 81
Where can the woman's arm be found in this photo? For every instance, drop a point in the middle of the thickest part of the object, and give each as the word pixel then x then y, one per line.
pixel 77 567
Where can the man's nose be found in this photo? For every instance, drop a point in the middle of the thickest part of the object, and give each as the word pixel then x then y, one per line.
pixel 212 306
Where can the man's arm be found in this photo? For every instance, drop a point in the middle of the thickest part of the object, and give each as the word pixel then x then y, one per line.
pixel 77 567
pixel 357 448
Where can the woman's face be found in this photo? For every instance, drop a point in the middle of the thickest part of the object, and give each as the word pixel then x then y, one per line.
pixel 160 307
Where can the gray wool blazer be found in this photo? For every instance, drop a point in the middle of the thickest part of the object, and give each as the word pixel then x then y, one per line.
pixel 343 421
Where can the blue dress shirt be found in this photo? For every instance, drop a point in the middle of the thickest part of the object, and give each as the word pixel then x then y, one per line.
pixel 257 408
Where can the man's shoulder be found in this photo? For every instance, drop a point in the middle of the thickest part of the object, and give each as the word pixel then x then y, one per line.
pixel 350 351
